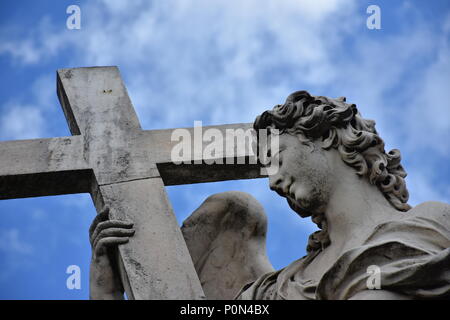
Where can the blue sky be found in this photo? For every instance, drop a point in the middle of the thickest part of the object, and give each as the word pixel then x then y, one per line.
pixel 218 62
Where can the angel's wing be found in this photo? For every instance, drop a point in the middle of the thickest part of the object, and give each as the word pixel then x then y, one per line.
pixel 226 237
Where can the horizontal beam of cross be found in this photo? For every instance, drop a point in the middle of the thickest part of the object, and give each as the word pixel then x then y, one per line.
pixel 57 166
pixel 43 167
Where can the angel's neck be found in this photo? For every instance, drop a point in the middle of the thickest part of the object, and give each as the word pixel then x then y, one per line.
pixel 354 209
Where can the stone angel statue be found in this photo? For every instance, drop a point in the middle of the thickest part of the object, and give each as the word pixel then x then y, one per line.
pixel 334 169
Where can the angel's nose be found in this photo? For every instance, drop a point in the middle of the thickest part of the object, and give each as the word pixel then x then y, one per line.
pixel 278 184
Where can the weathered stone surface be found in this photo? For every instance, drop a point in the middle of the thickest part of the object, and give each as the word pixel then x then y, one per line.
pixel 226 237
pixel 43 167
pixel 97 106
pixel 156 258
pixel 159 141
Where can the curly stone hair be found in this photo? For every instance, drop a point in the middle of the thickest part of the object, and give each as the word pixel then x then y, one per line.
pixel 342 127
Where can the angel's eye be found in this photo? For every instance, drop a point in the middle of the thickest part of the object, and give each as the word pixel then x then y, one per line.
pixel 276 156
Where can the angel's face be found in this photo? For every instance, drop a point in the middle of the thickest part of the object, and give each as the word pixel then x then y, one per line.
pixel 304 175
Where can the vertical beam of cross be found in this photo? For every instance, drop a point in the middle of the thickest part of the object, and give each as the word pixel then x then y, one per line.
pixel 155 263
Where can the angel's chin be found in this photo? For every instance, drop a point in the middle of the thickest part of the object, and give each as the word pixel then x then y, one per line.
pixel 298 209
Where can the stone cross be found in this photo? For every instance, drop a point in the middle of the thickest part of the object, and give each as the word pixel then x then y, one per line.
pixel 124 168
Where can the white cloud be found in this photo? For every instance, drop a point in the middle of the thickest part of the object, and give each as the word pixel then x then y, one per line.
pixel 34 45
pixel 210 60
pixel 422 189
pixel 10 241
pixel 428 118
pixel 43 91
pixel 16 253
pixel 24 120
pixel 21 122
pixel 23 51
